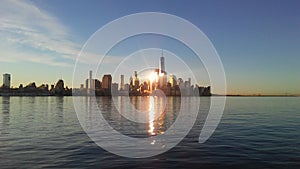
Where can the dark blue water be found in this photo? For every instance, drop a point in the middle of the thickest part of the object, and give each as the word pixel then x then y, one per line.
pixel 255 132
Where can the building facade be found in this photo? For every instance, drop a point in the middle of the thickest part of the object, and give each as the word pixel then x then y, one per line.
pixel 106 81
pixel 122 87
pixel 6 80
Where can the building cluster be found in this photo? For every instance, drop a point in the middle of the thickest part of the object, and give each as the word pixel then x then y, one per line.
pixel 158 80
pixel 32 90
pixel 96 87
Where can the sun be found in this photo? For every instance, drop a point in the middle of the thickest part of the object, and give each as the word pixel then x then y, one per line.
pixel 152 77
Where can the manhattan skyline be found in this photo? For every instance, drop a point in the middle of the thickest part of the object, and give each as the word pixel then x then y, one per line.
pixel 258 42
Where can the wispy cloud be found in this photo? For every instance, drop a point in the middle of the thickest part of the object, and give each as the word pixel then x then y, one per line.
pixel 28 33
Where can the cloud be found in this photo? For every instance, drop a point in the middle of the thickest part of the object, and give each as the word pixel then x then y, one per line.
pixel 31 57
pixel 28 33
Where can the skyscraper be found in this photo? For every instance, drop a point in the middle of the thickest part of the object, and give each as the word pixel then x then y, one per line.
pixel 106 81
pixel 122 82
pixel 6 80
pixel 163 79
pixel 90 80
pixel 136 79
pixel 162 64
pixel 114 89
pixel 90 83
pixel 180 82
pixel 173 80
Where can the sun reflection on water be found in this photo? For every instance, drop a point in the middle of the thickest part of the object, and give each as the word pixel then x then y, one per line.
pixel 151 117
pixel 156 115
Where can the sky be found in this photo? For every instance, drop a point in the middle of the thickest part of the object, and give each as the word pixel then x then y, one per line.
pixel 257 41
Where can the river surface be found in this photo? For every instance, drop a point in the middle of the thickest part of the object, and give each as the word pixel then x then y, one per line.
pixel 254 132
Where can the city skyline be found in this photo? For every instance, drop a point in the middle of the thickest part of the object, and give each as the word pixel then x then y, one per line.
pixel 144 83
pixel 256 41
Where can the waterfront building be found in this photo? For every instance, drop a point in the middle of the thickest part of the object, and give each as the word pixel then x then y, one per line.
pixel 97 84
pixel 180 83
pixel 106 81
pixel 114 89
pixel 172 80
pixel 122 83
pixel 6 80
pixel 90 84
pixel 136 79
pixel 59 88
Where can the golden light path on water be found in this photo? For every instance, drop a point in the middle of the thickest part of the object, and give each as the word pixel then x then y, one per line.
pixel 151 116
pixel 156 115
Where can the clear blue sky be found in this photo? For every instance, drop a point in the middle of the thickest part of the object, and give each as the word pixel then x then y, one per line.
pixel 258 41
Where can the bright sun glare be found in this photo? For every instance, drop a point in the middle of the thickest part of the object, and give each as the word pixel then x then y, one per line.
pixel 152 77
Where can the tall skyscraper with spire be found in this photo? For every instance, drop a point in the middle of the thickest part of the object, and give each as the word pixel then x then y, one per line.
pixel 162 72
pixel 162 63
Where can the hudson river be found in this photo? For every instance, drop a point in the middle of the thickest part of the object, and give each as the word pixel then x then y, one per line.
pixel 255 132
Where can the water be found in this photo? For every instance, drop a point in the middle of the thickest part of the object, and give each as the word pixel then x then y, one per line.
pixel 255 132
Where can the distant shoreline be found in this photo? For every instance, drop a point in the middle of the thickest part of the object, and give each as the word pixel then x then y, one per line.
pixel 258 95
pixel 146 96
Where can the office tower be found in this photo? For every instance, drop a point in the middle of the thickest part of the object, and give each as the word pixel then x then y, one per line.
pixel 163 79
pixel 162 64
pixel 87 83
pixel 114 88
pixel 90 84
pixel 97 84
pixel 173 80
pixel 131 81
pixel 6 80
pixel 122 82
pixel 188 83
pixel 180 83
pixel 137 83
pixel 106 81
pixel 90 80
pixel 136 79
